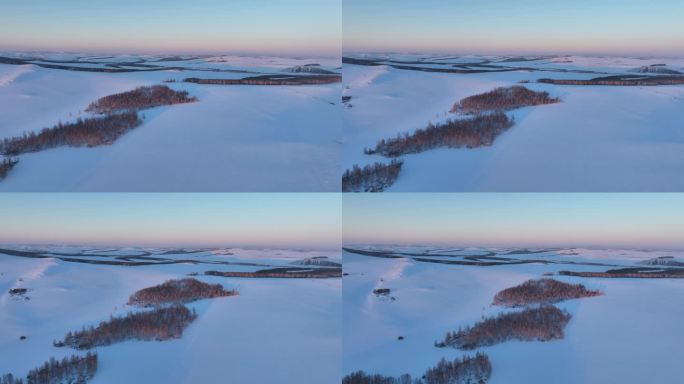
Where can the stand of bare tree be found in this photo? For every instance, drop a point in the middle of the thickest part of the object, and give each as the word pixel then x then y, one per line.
pixel 6 165
pixel 375 177
pixel 178 291
pixel 540 323
pixel 159 324
pixel 477 131
pixel 140 98
pixel 91 132
pixel 502 98
pixel 541 291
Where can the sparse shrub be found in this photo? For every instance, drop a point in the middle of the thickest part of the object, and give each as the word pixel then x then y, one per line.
pixel 10 379
pixel 542 291
pixel 162 323
pixel 178 291
pixel 91 132
pixel 375 177
pixel 474 132
pixel 541 323
pixel 381 291
pixel 502 98
pixel 140 98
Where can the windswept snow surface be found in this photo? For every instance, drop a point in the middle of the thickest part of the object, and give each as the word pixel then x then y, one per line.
pixel 235 138
pixel 598 138
pixel 275 330
pixel 631 334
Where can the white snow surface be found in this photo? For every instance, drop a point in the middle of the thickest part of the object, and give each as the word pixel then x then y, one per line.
pixel 599 138
pixel 275 330
pixel 631 334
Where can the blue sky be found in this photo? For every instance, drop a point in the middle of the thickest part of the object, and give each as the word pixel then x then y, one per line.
pixel 504 219
pixel 299 220
pixel 637 27
pixel 173 26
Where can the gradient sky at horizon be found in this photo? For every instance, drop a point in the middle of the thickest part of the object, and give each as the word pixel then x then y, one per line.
pixel 620 220
pixel 293 27
pixel 610 27
pixel 299 220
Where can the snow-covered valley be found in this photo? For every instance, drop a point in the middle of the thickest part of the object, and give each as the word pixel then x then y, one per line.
pixel 597 138
pixel 234 138
pixel 629 334
pixel 275 330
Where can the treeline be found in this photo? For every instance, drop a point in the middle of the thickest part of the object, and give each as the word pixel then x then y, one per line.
pixel 503 98
pixel 6 165
pixel 541 291
pixel 540 323
pixel 178 291
pixel 162 323
pixel 140 98
pixel 319 273
pixel 631 273
pixel 467 370
pixel 75 369
pixel 616 80
pixel 375 177
pixel 270 80
pixel 91 132
pixel 477 131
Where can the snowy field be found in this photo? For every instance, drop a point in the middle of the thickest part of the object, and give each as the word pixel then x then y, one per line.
pixel 275 330
pixel 599 138
pixel 235 138
pixel 630 334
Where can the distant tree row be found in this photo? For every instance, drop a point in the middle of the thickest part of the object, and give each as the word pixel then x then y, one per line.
pixel 474 132
pixel 178 291
pixel 632 273
pixel 502 98
pixel 6 165
pixel 270 80
pixel 162 323
pixel 541 291
pixel 467 370
pixel 540 323
pixel 375 177
pixel 89 132
pixel 282 273
pixel 75 369
pixel 140 98
pixel 618 81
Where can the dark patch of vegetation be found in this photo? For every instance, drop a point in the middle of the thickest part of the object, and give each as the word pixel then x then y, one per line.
pixel 668 261
pixel 178 291
pixel 540 323
pixel 162 323
pixel 72 370
pixel 502 98
pixel 140 98
pixel 632 273
pixel 22 337
pixel 467 370
pixel 91 132
pixel 286 272
pixel 382 291
pixel 400 338
pixel 318 261
pixel 542 291
pixel 621 80
pixel 474 132
pixel 374 177
pixel 6 165
pixel 271 80
pixel 346 99
pixel 17 291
